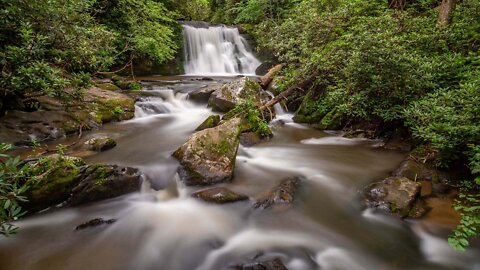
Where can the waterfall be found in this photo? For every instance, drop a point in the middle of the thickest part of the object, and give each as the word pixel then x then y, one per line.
pixel 217 50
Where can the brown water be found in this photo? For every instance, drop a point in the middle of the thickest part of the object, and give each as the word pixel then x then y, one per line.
pixel 161 227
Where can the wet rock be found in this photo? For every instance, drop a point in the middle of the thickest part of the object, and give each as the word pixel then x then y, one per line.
pixel 203 94
pixel 53 178
pixel 100 144
pixel 52 121
pixel 415 170
pixel 266 79
pixel 210 122
pixel 99 182
pixel 219 195
pixel 228 96
pixel 397 195
pixel 208 157
pixel 333 120
pixel 275 264
pixel 252 138
pixel 128 85
pixel 284 193
pixel 107 86
pixel 94 223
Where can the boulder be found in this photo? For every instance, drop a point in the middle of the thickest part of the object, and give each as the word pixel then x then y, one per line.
pixel 94 223
pixel 233 93
pixel 52 179
pixel 204 93
pixel 415 170
pixel 219 195
pixel 396 195
pixel 100 144
pixel 208 157
pixel 210 122
pixel 266 79
pixel 98 182
pixel 282 194
pixel 252 138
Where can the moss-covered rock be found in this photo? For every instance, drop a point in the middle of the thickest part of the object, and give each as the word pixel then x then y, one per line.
pixel 100 144
pixel 128 85
pixel 107 86
pixel 219 195
pixel 99 182
pixel 333 120
pixel 208 157
pixel 210 122
pixel 396 195
pixel 309 112
pixel 51 180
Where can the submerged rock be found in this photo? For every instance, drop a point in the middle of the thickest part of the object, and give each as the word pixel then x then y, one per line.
pixel 94 223
pixel 275 264
pixel 208 157
pixel 219 195
pixel 210 122
pixel 284 193
pixel 100 144
pixel 397 195
pixel 99 182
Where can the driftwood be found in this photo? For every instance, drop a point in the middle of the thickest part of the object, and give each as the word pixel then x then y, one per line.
pixel 292 89
pixel 268 78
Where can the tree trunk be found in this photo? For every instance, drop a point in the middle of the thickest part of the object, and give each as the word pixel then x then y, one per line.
pixel 396 4
pixel 292 89
pixel 445 11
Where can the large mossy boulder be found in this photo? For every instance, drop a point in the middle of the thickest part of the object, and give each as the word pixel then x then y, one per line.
pixel 396 195
pixel 208 157
pixel 308 112
pixel 56 179
pixel 233 93
pixel 333 120
pixel 51 181
pixel 99 182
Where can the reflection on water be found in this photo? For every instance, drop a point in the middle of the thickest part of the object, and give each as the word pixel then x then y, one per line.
pixel 163 228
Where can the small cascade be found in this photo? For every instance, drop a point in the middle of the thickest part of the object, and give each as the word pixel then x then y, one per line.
pixel 217 50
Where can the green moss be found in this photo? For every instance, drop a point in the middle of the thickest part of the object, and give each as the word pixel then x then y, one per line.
pixel 332 120
pixel 108 86
pixel 210 122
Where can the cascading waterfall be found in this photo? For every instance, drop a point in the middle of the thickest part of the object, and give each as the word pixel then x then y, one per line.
pixel 217 50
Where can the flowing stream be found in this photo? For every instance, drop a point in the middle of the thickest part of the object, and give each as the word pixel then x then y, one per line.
pixel 162 227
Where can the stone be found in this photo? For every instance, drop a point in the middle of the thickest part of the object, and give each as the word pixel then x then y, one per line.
pixel 219 195
pixel 208 157
pixel 275 264
pixel 100 144
pixel 228 96
pixel 397 195
pixel 108 86
pixel 415 170
pixel 98 182
pixel 210 122
pixel 95 223
pixel 282 194
pixel 204 93
pixel 53 178
pixel 52 121
pixel 252 138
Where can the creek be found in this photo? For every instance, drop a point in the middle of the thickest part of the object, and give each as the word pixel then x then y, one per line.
pixel 163 227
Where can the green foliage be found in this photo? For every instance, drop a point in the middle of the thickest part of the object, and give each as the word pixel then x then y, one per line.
pixel 12 188
pixel 249 111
